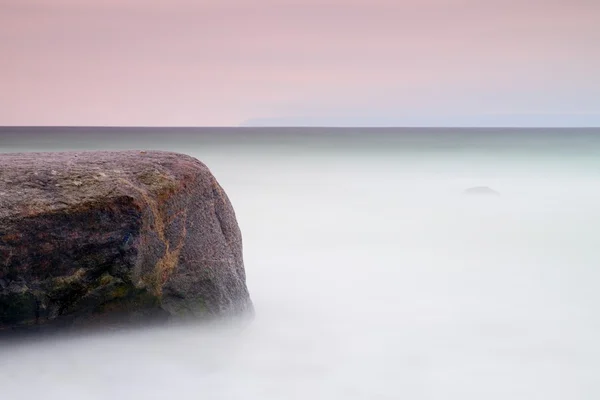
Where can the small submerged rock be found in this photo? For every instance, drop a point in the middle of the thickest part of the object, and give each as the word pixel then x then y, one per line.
pixel 96 238
pixel 481 191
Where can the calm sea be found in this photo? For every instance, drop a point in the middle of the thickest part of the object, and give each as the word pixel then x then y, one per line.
pixel 373 275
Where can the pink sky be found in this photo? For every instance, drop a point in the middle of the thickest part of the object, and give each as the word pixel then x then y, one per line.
pixel 221 62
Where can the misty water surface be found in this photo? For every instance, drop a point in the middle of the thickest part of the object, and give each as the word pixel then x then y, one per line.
pixel 373 277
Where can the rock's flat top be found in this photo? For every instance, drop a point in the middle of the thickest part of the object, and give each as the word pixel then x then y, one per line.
pixel 55 181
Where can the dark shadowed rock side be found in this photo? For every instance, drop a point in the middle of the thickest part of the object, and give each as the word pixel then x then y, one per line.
pixel 101 238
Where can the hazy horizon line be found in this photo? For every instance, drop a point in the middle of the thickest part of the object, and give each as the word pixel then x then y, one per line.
pixel 308 127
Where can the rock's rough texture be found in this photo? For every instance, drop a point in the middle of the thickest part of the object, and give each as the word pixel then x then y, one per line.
pixel 112 237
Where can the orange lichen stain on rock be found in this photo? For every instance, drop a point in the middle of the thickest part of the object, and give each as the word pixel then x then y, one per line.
pixel 168 262
pixel 12 237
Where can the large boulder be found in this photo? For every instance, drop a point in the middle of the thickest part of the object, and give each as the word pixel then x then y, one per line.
pixel 97 238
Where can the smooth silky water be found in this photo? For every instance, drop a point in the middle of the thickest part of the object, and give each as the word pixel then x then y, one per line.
pixel 372 274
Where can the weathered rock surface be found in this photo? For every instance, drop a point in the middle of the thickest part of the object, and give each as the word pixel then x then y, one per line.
pixel 115 237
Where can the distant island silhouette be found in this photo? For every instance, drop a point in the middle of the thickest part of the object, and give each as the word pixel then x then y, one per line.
pixel 443 121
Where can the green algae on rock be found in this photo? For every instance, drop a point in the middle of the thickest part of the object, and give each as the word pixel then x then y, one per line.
pixel 98 237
